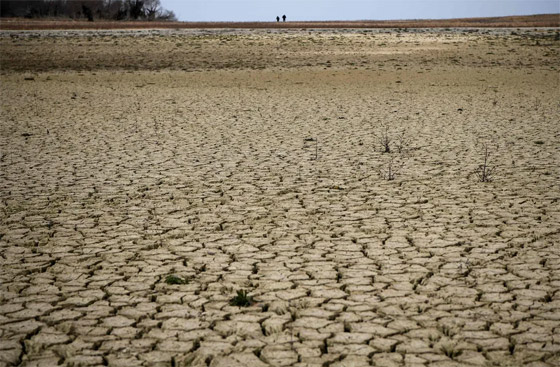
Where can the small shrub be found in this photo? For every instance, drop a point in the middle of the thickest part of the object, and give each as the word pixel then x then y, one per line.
pixel 173 279
pixel 384 140
pixel 242 299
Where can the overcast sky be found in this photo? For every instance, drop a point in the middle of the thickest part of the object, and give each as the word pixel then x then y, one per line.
pixel 266 10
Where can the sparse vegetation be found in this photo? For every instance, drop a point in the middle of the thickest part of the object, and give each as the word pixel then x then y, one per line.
pixel 183 195
pixel 242 299
pixel 173 279
pixel 485 172
pixel 391 168
pixel 388 142
pixel 403 142
pixel 383 140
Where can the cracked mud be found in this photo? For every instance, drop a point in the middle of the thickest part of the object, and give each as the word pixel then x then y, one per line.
pixel 147 177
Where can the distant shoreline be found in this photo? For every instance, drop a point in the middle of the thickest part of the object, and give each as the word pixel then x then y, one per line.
pixel 541 20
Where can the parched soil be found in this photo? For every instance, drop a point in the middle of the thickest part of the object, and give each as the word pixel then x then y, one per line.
pixel 252 161
pixel 382 51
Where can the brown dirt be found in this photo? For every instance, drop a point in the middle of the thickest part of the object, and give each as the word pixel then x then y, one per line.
pixel 251 160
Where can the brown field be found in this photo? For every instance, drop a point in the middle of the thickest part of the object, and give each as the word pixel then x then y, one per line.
pixel 540 20
pixel 251 160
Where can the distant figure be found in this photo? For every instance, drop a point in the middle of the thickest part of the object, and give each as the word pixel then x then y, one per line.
pixel 283 18
pixel 277 19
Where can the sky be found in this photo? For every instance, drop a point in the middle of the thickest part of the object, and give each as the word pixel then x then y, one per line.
pixel 267 10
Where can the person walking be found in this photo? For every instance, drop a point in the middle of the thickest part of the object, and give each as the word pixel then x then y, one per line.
pixel 277 19
pixel 284 17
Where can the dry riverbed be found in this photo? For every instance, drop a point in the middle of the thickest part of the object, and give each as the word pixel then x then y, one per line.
pixel 251 160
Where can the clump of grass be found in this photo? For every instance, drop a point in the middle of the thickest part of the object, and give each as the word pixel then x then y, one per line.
pixel 242 299
pixel 173 279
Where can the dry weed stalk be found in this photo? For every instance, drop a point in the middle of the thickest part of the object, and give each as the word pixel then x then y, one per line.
pixel 383 139
pixel 389 170
pixel 485 172
pixel 388 142
pixel 403 142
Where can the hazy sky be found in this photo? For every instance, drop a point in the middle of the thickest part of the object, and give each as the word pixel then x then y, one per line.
pixel 266 10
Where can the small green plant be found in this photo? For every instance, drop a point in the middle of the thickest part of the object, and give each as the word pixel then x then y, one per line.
pixel 173 279
pixel 242 299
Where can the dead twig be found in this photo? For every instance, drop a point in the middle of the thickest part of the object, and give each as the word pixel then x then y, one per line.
pixel 484 171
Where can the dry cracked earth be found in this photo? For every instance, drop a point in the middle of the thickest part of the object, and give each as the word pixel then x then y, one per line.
pixel 226 161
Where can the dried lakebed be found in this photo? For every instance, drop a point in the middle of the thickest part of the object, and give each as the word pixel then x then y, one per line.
pixel 259 168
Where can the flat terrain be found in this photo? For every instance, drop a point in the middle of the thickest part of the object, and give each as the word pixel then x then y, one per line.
pixel 538 20
pixel 250 160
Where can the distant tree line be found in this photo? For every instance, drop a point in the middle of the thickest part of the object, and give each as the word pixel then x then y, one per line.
pixel 87 9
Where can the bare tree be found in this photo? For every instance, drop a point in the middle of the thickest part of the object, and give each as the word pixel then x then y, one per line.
pixel 152 9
